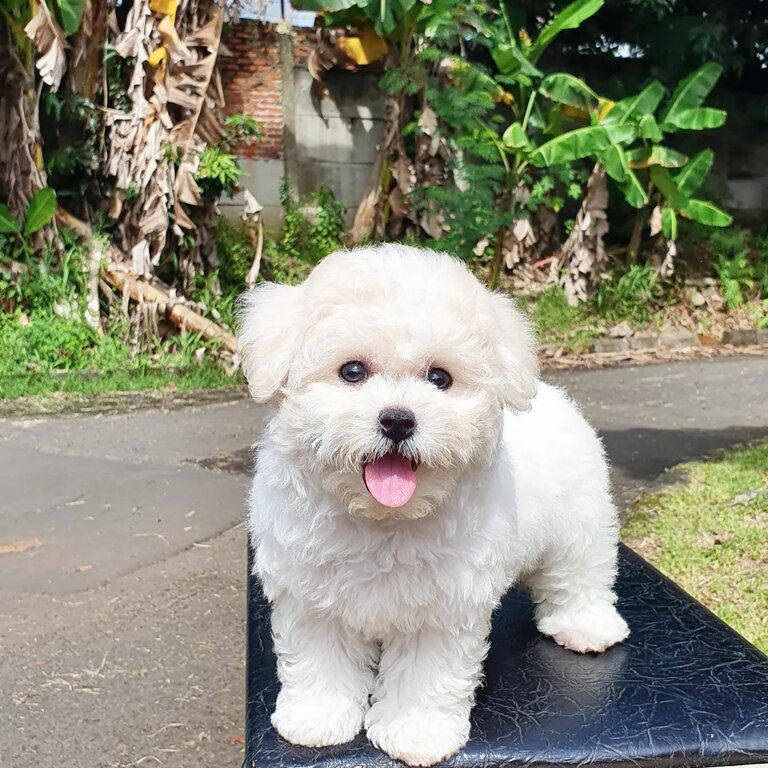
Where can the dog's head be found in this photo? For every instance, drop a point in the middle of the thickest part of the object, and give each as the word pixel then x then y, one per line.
pixel 390 369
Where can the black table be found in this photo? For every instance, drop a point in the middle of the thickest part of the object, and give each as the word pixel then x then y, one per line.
pixel 684 690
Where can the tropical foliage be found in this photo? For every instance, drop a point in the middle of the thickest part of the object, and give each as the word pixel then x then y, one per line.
pixel 124 117
pixel 112 124
pixel 484 148
pixel 501 143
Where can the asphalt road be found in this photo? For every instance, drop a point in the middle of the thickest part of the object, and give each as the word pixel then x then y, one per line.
pixel 121 627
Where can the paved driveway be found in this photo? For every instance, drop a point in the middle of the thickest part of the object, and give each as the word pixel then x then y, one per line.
pixel 121 633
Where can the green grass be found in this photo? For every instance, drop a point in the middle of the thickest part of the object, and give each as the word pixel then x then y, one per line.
pixel 558 323
pixel 207 376
pixel 47 353
pixel 42 351
pixel 710 535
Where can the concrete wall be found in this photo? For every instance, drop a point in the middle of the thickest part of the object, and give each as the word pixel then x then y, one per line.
pixel 262 179
pixel 336 138
pixel 313 143
pixel 746 170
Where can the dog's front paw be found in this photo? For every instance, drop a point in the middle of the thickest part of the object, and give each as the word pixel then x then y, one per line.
pixel 591 630
pixel 419 738
pixel 317 721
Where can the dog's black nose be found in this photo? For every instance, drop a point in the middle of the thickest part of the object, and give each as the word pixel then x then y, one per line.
pixel 397 423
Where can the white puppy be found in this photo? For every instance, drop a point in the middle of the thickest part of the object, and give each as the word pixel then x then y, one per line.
pixel 412 468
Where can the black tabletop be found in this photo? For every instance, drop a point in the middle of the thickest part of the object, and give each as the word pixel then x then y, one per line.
pixel 684 690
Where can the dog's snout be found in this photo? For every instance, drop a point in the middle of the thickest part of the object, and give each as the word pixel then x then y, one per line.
pixel 397 423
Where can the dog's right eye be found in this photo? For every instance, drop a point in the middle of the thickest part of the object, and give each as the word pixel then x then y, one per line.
pixel 353 372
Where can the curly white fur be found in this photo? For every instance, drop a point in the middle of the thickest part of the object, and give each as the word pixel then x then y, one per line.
pixel 381 616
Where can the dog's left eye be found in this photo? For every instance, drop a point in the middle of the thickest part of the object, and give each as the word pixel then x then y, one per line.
pixel 440 378
pixel 353 372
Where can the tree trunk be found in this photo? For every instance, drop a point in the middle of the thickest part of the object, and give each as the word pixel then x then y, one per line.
pixel 176 312
pixel 636 238
pixel 368 212
pixel 494 277
pixel 583 256
pixel 21 159
pixel 89 48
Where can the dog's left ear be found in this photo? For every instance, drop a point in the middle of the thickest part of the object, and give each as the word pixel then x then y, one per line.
pixel 515 343
pixel 269 332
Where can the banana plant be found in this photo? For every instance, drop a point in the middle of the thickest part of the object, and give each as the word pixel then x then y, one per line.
pixel 628 138
pixel 516 56
pixel 655 163
pixel 426 36
pixel 677 192
pixel 509 126
pixel 650 157
pixel 526 142
pixel 384 16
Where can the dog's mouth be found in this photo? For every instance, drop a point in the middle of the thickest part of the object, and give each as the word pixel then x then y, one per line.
pixel 391 479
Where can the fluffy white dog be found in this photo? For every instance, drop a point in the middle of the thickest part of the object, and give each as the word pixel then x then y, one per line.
pixel 411 469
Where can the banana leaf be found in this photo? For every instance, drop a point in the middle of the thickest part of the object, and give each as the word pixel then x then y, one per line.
pixel 706 213
pixel 643 103
pixel 664 182
pixel 570 17
pixel 697 119
pixel 573 145
pixel 648 128
pixel 692 176
pixel 8 224
pixel 669 223
pixel 70 15
pixel 40 210
pixel 691 91
pixel 567 89
pixel 514 137
pixel 645 157
pixel 510 59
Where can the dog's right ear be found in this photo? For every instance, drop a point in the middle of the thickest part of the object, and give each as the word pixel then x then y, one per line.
pixel 268 336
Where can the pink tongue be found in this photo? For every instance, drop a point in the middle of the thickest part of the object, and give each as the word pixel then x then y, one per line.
pixel 390 480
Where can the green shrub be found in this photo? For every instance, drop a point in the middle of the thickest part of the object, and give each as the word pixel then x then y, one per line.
pixel 305 239
pixel 216 297
pixel 218 172
pixel 47 345
pixel 44 280
pixel 219 167
pixel 312 229
pixel 761 263
pixel 633 296
pixel 558 323
pixel 310 239
pixel 740 261
pixel 44 341
pixel 325 232
pixel 235 251
pixel 294 224
pixel 42 352
pixel 54 354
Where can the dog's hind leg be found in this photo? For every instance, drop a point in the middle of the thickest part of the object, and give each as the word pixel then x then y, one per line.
pixel 573 592
pixel 326 673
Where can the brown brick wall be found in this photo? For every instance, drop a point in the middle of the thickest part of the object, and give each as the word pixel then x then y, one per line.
pixel 252 80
